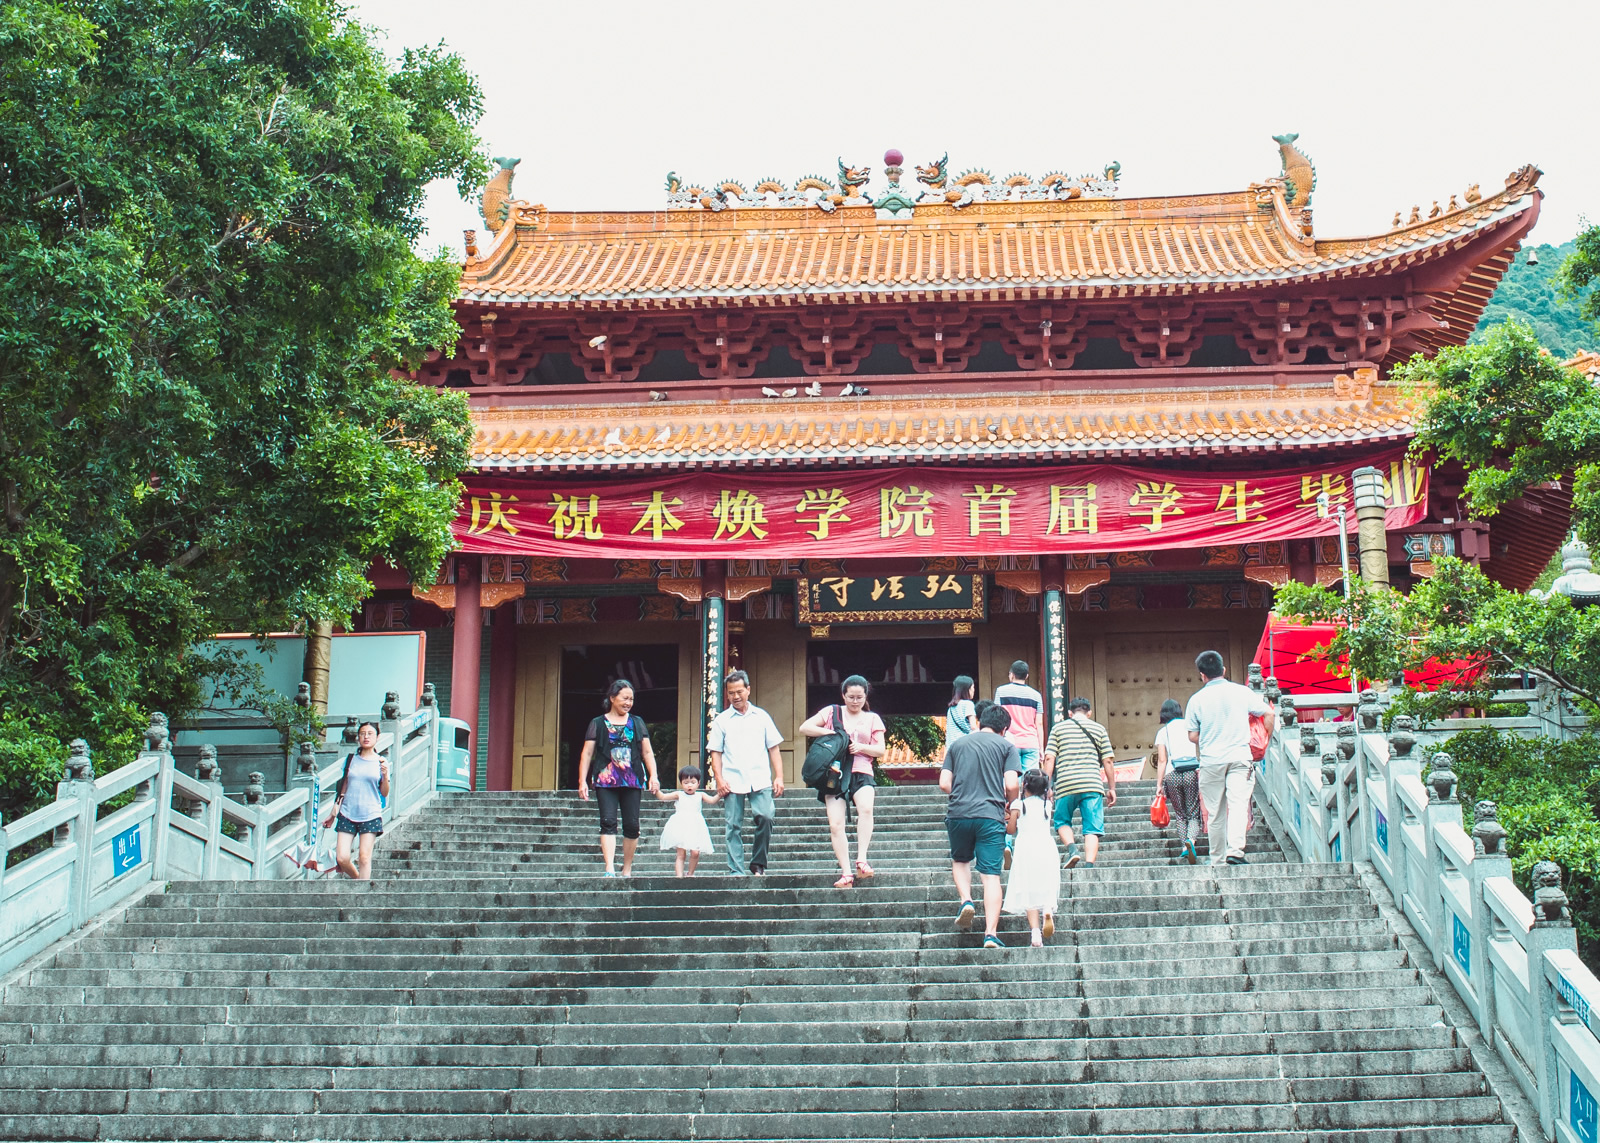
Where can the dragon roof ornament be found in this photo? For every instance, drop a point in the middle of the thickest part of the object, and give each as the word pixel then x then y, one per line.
pixel 849 188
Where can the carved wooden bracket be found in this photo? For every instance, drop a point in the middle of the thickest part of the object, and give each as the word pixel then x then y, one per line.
pixel 688 590
pixel 494 594
pixel 441 595
pixel 1273 576
pixel 744 586
pixel 1329 574
pixel 1027 582
pixel 1076 581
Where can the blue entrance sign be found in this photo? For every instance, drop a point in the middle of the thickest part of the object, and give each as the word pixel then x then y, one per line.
pixel 1461 944
pixel 1381 829
pixel 125 851
pixel 1582 1111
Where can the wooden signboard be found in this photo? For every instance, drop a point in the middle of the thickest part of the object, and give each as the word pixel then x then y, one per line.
pixel 921 598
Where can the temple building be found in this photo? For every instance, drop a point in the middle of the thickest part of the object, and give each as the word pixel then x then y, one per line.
pixel 912 428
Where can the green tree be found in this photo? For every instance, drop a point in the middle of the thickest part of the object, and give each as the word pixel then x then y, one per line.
pixel 209 294
pixel 1539 295
pixel 1579 274
pixel 1514 418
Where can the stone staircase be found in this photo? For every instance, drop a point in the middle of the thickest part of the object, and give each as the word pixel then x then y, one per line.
pixel 490 985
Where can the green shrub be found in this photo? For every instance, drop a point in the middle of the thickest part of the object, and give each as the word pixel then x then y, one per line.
pixel 1548 794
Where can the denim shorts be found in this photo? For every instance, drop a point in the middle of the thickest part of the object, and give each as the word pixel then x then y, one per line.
pixel 1091 806
pixel 980 838
pixel 345 825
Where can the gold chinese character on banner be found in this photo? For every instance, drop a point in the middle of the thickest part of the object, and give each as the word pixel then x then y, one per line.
pixel 891 585
pixel 903 508
pixel 490 512
pixel 824 506
pixel 840 586
pixel 1072 509
pixel 1331 483
pixel 1155 500
pixel 949 584
pixel 575 517
pixel 657 515
pixel 989 509
pixel 1238 498
pixel 1403 485
pixel 739 514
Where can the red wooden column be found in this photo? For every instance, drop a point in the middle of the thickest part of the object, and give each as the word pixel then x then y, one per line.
pixel 467 647
pixel 502 694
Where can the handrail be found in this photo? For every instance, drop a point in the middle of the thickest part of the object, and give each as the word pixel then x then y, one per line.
pixel 172 830
pixel 1348 792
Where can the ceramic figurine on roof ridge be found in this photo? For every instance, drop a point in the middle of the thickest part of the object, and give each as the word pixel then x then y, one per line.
pixel 851 180
pixel 495 205
pixel 1299 175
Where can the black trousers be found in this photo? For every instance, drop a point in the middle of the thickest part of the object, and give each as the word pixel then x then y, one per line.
pixel 619 799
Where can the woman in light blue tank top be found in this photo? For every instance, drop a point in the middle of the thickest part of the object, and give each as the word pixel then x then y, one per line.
pixel 358 804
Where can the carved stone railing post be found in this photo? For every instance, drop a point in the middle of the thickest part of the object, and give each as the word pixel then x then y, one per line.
pixel 158 741
pixel 1552 930
pixel 1443 807
pixel 305 778
pixel 78 786
pixel 255 833
pixel 207 770
pixel 1402 764
pixel 1489 859
pixel 1254 679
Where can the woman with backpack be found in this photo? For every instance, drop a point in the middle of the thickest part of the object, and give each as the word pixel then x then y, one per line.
pixel 961 716
pixel 858 782
pixel 1178 776
pixel 623 742
pixel 357 810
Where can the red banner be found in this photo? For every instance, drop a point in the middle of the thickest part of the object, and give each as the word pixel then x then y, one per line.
pixel 920 511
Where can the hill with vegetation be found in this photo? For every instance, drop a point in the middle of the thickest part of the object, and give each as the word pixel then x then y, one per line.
pixel 1533 294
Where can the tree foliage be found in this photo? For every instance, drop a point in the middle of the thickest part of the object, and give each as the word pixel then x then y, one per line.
pixel 207 211
pixel 1548 794
pixel 1539 296
pixel 1459 614
pixel 1578 276
pixel 1515 419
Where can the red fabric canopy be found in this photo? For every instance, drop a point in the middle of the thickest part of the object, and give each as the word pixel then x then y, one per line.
pixel 1285 649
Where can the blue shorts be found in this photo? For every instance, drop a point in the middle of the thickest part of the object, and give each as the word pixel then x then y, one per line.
pixel 1092 807
pixel 1030 759
pixel 980 838
pixel 343 824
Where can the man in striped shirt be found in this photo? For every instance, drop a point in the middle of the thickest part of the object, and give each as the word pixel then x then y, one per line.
pixel 1082 765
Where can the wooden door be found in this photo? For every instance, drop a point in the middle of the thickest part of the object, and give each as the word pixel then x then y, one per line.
pixel 775 657
pixel 1141 670
pixel 538 710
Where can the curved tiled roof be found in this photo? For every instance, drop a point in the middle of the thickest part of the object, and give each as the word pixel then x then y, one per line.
pixel 1078 248
pixel 984 428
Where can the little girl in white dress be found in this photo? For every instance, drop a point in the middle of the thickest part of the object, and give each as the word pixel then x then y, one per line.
pixel 686 830
pixel 1035 883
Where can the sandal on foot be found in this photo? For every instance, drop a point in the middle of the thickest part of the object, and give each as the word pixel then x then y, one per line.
pixel 1049 925
pixel 864 871
pixel 845 883
pixel 1037 941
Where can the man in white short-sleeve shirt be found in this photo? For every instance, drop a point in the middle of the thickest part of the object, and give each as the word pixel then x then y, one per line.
pixel 1218 717
pixel 742 751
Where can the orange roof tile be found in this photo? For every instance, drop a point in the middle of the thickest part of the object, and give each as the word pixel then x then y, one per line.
pixel 950 427
pixel 1084 247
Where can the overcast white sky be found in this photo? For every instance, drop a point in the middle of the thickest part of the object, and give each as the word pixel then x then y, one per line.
pixel 1397 103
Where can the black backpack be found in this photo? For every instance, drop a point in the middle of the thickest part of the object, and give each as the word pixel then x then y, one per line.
pixel 823 768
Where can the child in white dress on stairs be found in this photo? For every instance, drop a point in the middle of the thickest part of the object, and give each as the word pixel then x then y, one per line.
pixel 686 829
pixel 1035 884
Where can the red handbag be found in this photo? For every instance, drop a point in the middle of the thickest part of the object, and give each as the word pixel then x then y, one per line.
pixel 1159 817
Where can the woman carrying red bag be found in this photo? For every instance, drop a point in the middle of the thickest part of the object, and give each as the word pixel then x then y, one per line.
pixel 1178 777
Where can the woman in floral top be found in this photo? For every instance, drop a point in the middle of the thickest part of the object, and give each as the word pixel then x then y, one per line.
pixel 623 743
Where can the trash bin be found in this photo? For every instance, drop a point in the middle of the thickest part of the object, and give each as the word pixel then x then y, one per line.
pixel 455 755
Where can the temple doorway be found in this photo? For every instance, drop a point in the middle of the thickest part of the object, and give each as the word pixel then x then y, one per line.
pixel 587 673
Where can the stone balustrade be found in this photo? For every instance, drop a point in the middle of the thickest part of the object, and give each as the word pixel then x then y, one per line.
pixel 178 828
pixel 1351 792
